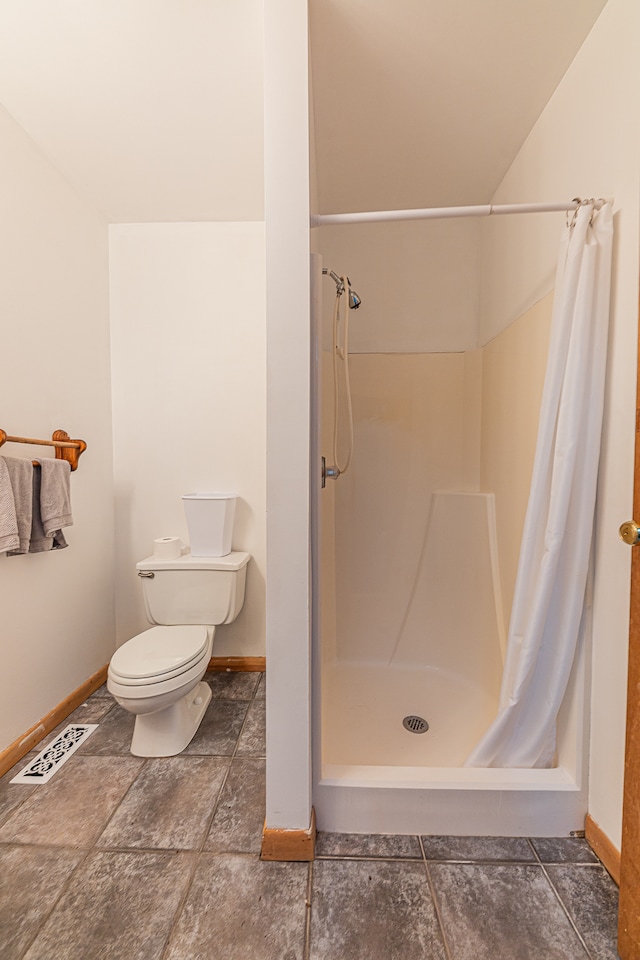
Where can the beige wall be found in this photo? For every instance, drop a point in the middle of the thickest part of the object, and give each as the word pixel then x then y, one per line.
pixel 418 282
pixel 57 608
pixel 188 341
pixel 586 143
pixel 513 370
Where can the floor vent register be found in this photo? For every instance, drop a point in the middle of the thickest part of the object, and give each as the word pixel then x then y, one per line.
pixel 49 760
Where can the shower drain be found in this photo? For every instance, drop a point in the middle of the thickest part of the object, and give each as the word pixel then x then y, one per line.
pixel 415 724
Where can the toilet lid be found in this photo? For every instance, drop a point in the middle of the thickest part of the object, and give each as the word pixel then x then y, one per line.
pixel 159 651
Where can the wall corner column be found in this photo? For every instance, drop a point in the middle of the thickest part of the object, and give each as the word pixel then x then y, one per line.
pixel 288 798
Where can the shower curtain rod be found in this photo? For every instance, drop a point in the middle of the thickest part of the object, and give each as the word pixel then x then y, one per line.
pixel 442 213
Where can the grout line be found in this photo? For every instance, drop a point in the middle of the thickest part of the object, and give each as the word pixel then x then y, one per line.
pixel 560 900
pixel 434 899
pixel 251 700
pixel 484 863
pixel 244 722
pixel 5 819
pixel 306 952
pixel 122 798
pixel 359 858
pixel 63 890
pixel 255 689
pixel 192 851
pixel 216 804
pixel 46 846
pixel 231 758
pixel 580 864
pixel 197 854
pixel 181 905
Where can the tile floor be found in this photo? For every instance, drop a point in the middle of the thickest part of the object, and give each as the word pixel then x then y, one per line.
pixel 119 857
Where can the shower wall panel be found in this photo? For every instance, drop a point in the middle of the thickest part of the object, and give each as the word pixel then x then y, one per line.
pixel 424 423
pixel 411 417
pixel 514 365
pixel 454 621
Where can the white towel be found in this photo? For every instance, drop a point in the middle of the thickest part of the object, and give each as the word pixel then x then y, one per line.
pixel 9 539
pixel 21 477
pixel 55 495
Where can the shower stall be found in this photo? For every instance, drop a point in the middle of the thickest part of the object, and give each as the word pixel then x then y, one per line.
pixel 416 546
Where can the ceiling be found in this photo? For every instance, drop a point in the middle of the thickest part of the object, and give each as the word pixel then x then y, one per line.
pixel 422 103
pixel 153 109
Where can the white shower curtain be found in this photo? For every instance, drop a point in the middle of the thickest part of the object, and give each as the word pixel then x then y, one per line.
pixel 556 542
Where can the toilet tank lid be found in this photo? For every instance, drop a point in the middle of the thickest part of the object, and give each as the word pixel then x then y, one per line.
pixel 235 560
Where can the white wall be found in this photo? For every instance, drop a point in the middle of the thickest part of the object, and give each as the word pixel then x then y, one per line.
pixel 188 342
pixel 151 108
pixel 57 608
pixel 288 399
pixel 586 143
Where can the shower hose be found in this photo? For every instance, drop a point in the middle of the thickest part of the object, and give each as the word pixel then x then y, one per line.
pixel 341 352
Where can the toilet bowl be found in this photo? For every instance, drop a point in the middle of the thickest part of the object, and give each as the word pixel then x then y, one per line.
pixel 157 675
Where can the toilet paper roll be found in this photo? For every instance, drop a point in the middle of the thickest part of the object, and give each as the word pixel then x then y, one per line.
pixel 167 548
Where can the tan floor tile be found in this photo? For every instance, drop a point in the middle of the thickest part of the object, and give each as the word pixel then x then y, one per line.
pixel 252 742
pixel 118 906
pixel 240 908
pixel 73 807
pixel 169 806
pixel 31 880
pixel 239 819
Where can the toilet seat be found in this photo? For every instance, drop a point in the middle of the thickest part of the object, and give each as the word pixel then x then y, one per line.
pixel 160 654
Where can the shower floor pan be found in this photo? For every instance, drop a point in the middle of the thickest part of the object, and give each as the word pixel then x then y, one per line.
pixel 365 705
pixel 378 777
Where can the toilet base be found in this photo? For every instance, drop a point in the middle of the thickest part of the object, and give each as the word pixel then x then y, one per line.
pixel 167 732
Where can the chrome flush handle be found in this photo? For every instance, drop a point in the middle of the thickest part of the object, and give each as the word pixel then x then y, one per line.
pixel 146 573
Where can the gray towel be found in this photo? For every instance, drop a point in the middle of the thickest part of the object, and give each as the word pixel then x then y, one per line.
pixel 41 542
pixel 9 539
pixel 42 504
pixel 21 476
pixel 55 495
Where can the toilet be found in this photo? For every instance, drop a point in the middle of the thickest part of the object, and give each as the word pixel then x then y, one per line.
pixel 157 675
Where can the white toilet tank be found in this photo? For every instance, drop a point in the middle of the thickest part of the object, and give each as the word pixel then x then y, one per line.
pixel 207 590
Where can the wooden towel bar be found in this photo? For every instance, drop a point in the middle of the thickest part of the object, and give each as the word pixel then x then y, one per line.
pixel 66 448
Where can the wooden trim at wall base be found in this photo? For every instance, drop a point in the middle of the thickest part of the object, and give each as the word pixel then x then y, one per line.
pixel 240 664
pixel 289 844
pixel 602 847
pixel 21 747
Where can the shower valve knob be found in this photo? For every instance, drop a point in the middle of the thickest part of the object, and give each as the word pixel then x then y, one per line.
pixel 630 533
pixel 328 473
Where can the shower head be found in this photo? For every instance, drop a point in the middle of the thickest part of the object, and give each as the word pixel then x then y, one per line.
pixel 354 299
